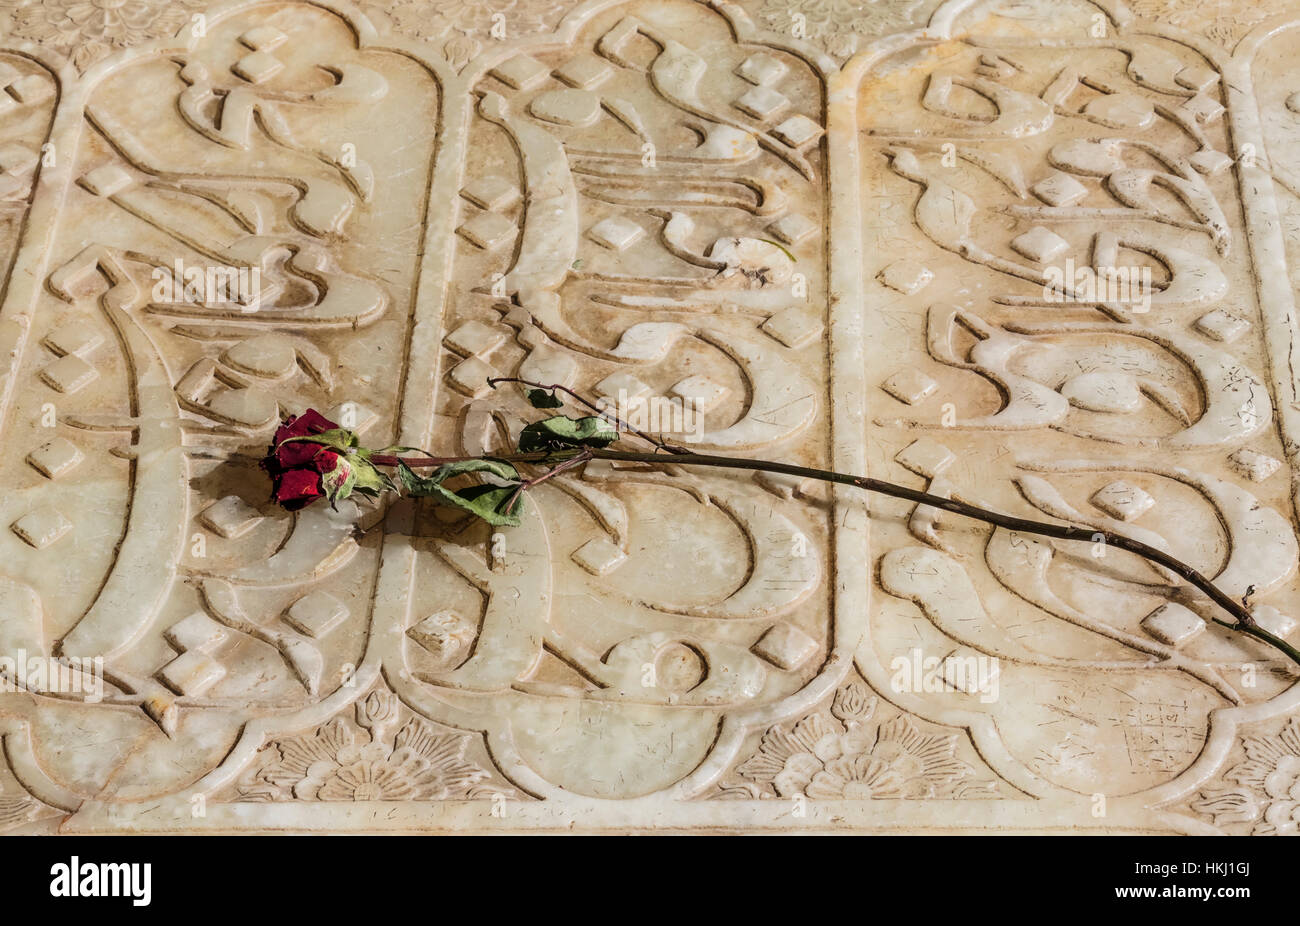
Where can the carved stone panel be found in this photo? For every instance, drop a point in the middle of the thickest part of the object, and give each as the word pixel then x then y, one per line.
pixel 1033 257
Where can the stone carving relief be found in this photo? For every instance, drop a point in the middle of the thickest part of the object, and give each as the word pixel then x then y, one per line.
pixel 378 762
pixel 1034 257
pixel 839 754
pixel 88 32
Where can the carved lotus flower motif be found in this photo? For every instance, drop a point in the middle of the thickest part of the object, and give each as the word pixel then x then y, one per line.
pixel 791 759
pixel 368 781
pixel 856 778
pixel 902 762
pixel 334 764
pixel 1269 782
pixel 92 28
pixel 1282 785
pixel 837 755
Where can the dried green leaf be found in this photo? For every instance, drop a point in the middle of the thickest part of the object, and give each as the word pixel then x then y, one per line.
pixel 499 468
pixel 543 398
pixel 337 439
pixel 339 482
pixel 353 473
pixel 484 501
pixel 370 480
pixel 561 433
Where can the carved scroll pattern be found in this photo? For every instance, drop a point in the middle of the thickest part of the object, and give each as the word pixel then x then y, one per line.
pixel 667 201
pixel 1020 385
pixel 647 227
pixel 146 394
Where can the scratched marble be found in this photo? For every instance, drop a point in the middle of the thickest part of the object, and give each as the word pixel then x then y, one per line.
pixel 1034 256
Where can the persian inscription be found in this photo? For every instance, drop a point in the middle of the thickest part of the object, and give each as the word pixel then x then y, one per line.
pixel 1035 257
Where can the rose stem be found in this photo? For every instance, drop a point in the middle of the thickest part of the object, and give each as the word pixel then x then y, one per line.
pixel 538 480
pixel 1245 621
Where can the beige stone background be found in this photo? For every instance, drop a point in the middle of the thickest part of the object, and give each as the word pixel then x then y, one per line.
pixel 828 222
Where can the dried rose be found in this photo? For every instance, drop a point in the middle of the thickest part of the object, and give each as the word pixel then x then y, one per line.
pixel 311 457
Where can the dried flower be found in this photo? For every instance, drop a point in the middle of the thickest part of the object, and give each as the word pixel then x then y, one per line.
pixel 312 457
pixel 299 469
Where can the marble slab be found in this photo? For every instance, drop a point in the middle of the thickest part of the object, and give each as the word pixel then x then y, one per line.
pixel 1035 256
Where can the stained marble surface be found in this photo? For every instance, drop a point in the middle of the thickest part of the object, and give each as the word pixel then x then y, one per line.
pixel 1034 256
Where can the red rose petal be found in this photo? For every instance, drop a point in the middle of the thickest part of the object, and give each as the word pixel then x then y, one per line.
pixel 298 487
pixel 313 422
pixel 290 428
pixel 299 453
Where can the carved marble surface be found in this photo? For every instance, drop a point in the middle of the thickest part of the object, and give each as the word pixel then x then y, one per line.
pixel 833 225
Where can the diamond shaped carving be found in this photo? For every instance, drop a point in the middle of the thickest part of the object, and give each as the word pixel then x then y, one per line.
pixel 56 458
pixel 41 527
pixel 316 614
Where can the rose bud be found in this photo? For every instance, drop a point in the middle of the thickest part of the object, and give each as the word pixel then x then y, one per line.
pixel 312 457
pixel 296 468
